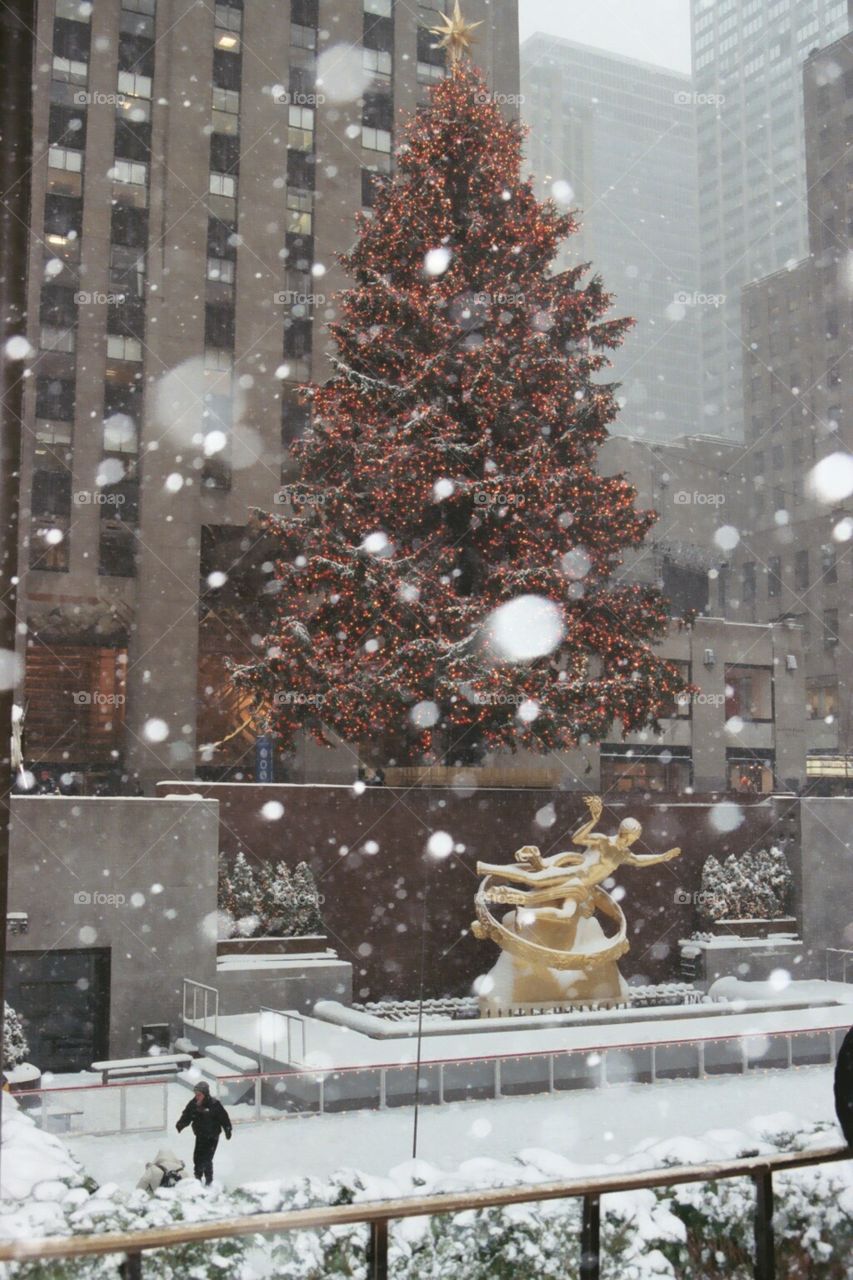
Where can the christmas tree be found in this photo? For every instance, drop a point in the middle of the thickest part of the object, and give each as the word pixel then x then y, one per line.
pixel 756 886
pixel 15 1047
pixel 306 902
pixel 444 583
pixel 276 907
pixel 244 895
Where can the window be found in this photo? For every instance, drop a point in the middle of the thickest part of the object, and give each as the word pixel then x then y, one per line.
pixel 303 37
pixel 300 134
pixel 224 153
pixel 55 398
pixel 216 361
pixel 228 18
pixel 376 139
pixel 300 205
pixel 70 70
pixel 821 699
pixel 749 693
pixel 226 69
pixel 132 141
pixel 62 158
pixel 132 172
pixel 220 269
pixel 133 85
pixel 53 339
pixel 379 8
pixel 227 100
pixel 633 769
pixel 749 583
pixel 223 184
pixel 129 226
pixel 829 565
pixel 219 327
pixel 774 576
pixel 830 628
pixel 801 570
pixel 121 347
pixel 377 62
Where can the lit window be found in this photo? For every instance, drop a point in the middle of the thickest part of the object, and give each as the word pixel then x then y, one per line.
pixel 130 171
pixel 303 37
pixel 69 71
pixel 300 205
pixel 65 158
pixel 120 347
pixel 134 86
pixel 377 62
pixel 53 339
pixel 226 100
pixel 221 269
pixel 223 184
pixel 375 139
pixel 226 40
pixel 300 134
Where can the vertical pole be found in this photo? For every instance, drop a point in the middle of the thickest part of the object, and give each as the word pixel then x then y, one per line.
pixel 591 1239
pixel 420 1019
pixel 377 1260
pixel 765 1252
pixel 131 1268
pixel 17 21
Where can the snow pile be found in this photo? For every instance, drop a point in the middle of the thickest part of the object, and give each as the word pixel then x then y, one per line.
pixel 33 1165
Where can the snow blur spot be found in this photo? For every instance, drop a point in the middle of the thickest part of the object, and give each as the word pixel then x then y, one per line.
pixel 726 537
pixel 424 715
pixel 481 1128
pixel 725 816
pixel 155 730
pixel 546 816
pixel 562 191
pixel 528 711
pixel 217 579
pixel 831 479
pixel 734 724
pixel 137 899
pixel 272 810
pixel 843 531
pixel 442 489
pixel 525 628
pixel 10 669
pixel 370 846
pixel 377 544
pixel 214 442
pixel 359 788
pixel 341 73
pixel 110 471
pixel 576 564
pixel 87 935
pixel 17 348
pixel 437 261
pixel 779 979
pixel 483 985
pixel 440 844
pixel 174 482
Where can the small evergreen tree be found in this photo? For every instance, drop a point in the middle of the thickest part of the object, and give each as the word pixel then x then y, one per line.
pixel 244 895
pixel 306 902
pixel 224 890
pixel 15 1047
pixel 277 902
pixel 755 886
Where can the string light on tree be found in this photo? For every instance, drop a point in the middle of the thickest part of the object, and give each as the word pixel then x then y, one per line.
pixel 450 470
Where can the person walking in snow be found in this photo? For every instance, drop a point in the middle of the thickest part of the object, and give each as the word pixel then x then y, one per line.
pixel 844 1087
pixel 209 1119
pixel 165 1170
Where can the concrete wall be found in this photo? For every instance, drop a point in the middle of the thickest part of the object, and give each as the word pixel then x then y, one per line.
pixel 827 835
pixel 63 849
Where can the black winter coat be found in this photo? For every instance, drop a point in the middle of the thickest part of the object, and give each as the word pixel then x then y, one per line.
pixel 207 1120
pixel 844 1087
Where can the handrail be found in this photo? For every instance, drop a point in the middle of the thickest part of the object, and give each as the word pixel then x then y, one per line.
pixel 379 1213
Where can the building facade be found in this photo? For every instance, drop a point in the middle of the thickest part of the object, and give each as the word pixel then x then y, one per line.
pixel 748 57
pixel 616 136
pixel 196 171
pixel 795 558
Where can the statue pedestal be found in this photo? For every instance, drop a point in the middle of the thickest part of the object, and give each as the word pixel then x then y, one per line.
pixel 515 982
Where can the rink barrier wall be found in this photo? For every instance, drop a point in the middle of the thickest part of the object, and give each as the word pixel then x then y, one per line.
pixel 377 1215
pixel 300 1091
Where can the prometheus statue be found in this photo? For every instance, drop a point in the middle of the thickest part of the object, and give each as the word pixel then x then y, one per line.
pixel 553 947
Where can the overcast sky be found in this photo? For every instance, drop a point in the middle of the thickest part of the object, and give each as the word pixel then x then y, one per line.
pixel 651 30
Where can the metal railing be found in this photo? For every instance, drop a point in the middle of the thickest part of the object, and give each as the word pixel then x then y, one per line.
pixel 306 1091
pixel 846 955
pixel 200 991
pixel 377 1215
pixel 294 1023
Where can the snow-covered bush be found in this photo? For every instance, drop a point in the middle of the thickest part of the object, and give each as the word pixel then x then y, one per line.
pixel 272 901
pixel 755 886
pixel 15 1047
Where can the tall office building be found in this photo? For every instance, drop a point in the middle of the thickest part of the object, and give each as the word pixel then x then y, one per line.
pixel 196 170
pixel 619 134
pixel 795 558
pixel 748 57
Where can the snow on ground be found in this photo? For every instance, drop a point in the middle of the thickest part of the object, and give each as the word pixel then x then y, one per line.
pixel 39 1161
pixel 588 1127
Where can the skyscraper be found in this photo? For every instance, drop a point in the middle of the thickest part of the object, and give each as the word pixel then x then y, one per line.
pixel 196 171
pixel 616 137
pixel 748 57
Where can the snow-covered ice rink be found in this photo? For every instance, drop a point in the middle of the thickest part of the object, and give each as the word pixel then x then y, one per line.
pixel 585 1126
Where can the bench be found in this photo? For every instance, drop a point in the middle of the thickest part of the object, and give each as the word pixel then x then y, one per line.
pixel 165 1064
pixel 58 1118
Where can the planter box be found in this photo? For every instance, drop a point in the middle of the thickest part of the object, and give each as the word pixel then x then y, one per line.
pixel 272 946
pixel 752 928
pixel 542 776
pixel 23 1077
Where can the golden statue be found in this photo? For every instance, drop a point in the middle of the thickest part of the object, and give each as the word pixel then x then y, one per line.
pixel 554 950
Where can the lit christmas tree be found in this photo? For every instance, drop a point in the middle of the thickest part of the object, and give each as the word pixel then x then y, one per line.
pixel 445 582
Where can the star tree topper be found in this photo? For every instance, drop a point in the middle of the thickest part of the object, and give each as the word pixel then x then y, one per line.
pixel 455 35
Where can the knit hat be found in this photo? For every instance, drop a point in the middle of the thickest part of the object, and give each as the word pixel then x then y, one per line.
pixel 202 1087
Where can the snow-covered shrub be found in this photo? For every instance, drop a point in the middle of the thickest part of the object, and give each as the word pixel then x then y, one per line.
pixel 755 886
pixel 15 1047
pixel 270 902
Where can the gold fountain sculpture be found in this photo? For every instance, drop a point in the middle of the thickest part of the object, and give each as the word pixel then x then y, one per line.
pixel 553 948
